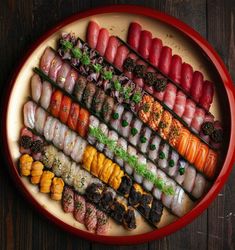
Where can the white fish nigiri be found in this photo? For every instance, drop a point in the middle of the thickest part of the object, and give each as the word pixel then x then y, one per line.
pixel 200 186
pixel 59 163
pixel 40 119
pixel 116 117
pixel 49 128
pixel 81 181
pixel 173 163
pixel 123 144
pixel 167 198
pixel 142 160
pixel 147 184
pixel 59 134
pixel 131 151
pixel 125 123
pixel 177 205
pixel 29 114
pixel 78 149
pixel 103 127
pixel 113 136
pixel 46 95
pixel 157 193
pixel 93 123
pixel 182 166
pixel 68 175
pixel 135 131
pixel 36 87
pixel 69 141
pixel 154 147
pixel 163 156
pixel 189 179
pixel 144 139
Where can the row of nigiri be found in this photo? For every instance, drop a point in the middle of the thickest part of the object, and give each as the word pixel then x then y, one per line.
pixel 157 54
pixel 150 146
pixel 74 146
pixel 194 116
pixel 92 95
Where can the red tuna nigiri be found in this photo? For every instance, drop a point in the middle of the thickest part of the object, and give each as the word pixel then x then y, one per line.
pixel 155 51
pixel 175 68
pixel 197 84
pixel 103 39
pixel 93 30
pixel 120 57
pixel 165 60
pixel 145 43
pixel 207 95
pixel 186 76
pixel 133 37
pixel 111 49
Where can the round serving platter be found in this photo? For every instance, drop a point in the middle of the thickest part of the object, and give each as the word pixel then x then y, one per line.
pixel 185 42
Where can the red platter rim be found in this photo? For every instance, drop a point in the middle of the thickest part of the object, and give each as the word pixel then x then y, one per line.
pixel 228 163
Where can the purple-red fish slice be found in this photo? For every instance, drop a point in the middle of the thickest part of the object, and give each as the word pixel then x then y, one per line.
pixel 189 111
pixel 155 51
pixel 165 60
pixel 62 74
pixel 197 85
pixel 134 33
pixel 170 95
pixel 145 43
pixel 90 219
pixel 93 30
pixel 175 68
pixel 186 76
pixel 103 39
pixel 180 102
pixel 102 223
pixel 79 208
pixel 111 49
pixel 70 81
pixel 207 95
pixel 36 87
pixel 46 59
pixel 198 119
pixel 121 56
pixel 68 200
pixel 56 64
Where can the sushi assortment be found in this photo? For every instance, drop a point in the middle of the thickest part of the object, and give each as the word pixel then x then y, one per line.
pixel 117 132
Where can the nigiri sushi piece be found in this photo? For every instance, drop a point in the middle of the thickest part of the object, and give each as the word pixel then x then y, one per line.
pixel 163 156
pixel 165 59
pixel 142 160
pixel 68 175
pixel 102 223
pixel 154 147
pixel 170 95
pixel 173 163
pixel 189 179
pixel 79 208
pixel 156 115
pixel 40 119
pixel 98 100
pixel 192 148
pixel 121 55
pixel 29 114
pixel 26 139
pixel 92 34
pixel 217 135
pixel 78 149
pixel 134 134
pixel 113 136
pixel 73 116
pixel 102 42
pixel 83 122
pixel 111 49
pixel 201 157
pixel 46 59
pixel 197 85
pixel 123 144
pixel 49 128
pixel 70 81
pixel 207 95
pixel 186 76
pixel 131 151
pixel 62 74
pixel 88 94
pixel 93 123
pixel 55 66
pixel 144 139
pixel 175 69
pixel 46 95
pixel 155 51
pixel 200 186
pixel 79 87
pixel 168 198
pixel 90 219
pixel 157 193
pixel 65 109
pixel 197 120
pixel 125 123
pixel 183 140
pixel 147 184
pixel 165 124
pixel 180 102
pixel 55 103
pixel 68 200
pixel 139 73
pixel 145 43
pixel 104 129
pixel 146 108
pixel 69 142
pixel 36 87
pixel 59 134
pixel 48 156
pixel 189 111
pixel 210 164
pixel 116 116
pixel 180 176
pixel 134 33
pixel 81 181
pixel 207 127
pixel 107 108
pixel 59 163
pixel 175 132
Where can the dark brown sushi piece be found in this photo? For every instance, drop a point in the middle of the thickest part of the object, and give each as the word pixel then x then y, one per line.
pixel 117 211
pixel 156 211
pixel 106 201
pixel 94 192
pixel 145 204
pixel 125 186
pixel 98 100
pixel 88 94
pixel 129 219
pixel 107 108
pixel 135 195
pixel 68 200
pixel 79 87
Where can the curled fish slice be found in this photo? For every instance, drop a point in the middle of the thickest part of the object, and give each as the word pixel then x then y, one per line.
pixel 69 141
pixel 29 114
pixel 78 149
pixel 46 95
pixel 36 87
pixel 40 119
pixel 49 128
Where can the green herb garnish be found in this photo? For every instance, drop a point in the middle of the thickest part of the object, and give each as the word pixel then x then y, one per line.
pixel 97 67
pixel 152 147
pixel 124 123
pixel 143 139
pixel 134 131
pixel 162 155
pixel 181 170
pixel 136 98
pixel 76 53
pixel 127 92
pixel 171 163
pixel 85 59
pixel 107 75
pixel 66 44
pixel 117 85
pixel 115 116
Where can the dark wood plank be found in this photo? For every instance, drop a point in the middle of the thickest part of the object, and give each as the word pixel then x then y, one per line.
pixel 221 214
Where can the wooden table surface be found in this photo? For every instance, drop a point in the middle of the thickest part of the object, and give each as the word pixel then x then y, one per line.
pixel 21 23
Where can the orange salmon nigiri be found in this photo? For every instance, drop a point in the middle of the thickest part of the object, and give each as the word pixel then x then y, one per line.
pixel 201 157
pixel 83 122
pixel 56 99
pixel 192 148
pixel 165 124
pixel 65 108
pixel 182 144
pixel 175 132
pixel 210 164
pixel 145 108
